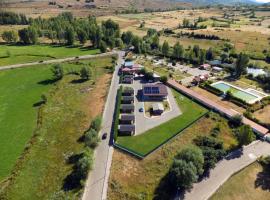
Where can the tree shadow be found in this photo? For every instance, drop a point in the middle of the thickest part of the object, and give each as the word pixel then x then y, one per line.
pixel 38 104
pixel 235 154
pixel 165 190
pixel 48 82
pixel 263 179
pixel 77 81
pixel 72 181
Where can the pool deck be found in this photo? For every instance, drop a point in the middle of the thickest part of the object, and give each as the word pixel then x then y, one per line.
pixel 262 131
pixel 252 92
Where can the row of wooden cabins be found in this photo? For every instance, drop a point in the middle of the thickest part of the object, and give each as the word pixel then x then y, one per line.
pixel 127 117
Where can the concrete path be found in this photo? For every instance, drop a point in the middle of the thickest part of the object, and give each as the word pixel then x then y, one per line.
pixel 233 163
pixel 56 61
pixel 97 182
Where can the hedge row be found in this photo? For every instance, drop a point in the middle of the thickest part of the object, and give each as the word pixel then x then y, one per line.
pixel 117 112
pixel 211 89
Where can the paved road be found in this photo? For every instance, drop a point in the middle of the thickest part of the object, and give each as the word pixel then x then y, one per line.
pixel 97 182
pixel 226 168
pixel 55 61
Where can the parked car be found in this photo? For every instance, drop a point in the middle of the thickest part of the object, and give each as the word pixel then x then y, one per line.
pixel 141 110
pixel 104 136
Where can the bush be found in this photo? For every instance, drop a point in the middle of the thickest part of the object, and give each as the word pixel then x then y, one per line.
pixel 91 138
pixel 164 79
pixel 245 135
pixel 236 120
pixel 96 123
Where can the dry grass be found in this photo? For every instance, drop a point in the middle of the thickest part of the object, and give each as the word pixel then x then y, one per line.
pixel 138 179
pixel 242 186
pixel 263 114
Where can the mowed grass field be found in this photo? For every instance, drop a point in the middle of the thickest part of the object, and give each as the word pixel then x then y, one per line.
pixel 131 178
pixel 43 170
pixel 13 54
pixel 252 183
pixel 20 90
pixel 150 140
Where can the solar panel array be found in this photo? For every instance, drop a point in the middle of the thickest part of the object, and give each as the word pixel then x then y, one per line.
pixel 151 90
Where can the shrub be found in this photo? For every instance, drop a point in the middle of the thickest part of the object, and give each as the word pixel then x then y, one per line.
pixel 236 120
pixel 96 123
pixel 91 138
pixel 245 135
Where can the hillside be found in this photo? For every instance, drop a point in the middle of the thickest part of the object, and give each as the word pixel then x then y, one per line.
pixel 215 2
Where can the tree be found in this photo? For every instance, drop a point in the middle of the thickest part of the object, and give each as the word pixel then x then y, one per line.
pixel 58 72
pixel 9 36
pixel 127 37
pixel 183 174
pixel 236 120
pixel 103 46
pixel 241 64
pixel 245 135
pixel 83 165
pixel 165 48
pixel 70 36
pixel 196 50
pixel 210 54
pixel 194 155
pixel 186 23
pixel 28 35
pixel 164 79
pixel 155 42
pixel 137 43
pixel 202 56
pixel 82 36
pixel 91 138
pixel 212 149
pixel 178 51
pixel 85 73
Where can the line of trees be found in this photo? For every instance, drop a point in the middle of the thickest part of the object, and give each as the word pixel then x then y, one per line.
pixel 198 36
pixel 65 29
pixel 10 18
pixel 193 26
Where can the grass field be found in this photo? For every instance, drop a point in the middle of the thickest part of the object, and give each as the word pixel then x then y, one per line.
pixel 148 141
pixel 19 92
pixel 58 132
pixel 11 54
pixel 131 178
pixel 251 183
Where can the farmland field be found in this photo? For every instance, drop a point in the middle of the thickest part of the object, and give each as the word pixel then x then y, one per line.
pixel 151 139
pixel 12 54
pixel 56 136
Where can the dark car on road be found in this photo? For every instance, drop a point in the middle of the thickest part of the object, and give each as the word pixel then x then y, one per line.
pixel 104 136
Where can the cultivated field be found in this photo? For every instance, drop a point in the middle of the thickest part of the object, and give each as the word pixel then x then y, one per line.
pixel 13 54
pixel 42 170
pixel 251 183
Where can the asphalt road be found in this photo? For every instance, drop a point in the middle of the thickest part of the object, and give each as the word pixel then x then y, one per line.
pixel 55 61
pixel 233 163
pixel 97 182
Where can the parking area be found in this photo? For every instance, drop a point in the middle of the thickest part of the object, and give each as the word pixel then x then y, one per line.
pixel 144 123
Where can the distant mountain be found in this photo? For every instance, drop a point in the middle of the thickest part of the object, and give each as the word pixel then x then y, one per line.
pixel 216 2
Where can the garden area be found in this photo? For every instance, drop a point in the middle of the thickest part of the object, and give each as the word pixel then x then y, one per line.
pixel 147 142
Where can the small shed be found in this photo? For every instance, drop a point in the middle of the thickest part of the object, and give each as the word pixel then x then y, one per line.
pixel 157 108
pixel 126 129
pixel 127 119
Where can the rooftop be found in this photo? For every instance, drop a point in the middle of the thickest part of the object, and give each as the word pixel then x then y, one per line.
pixel 157 89
pixel 126 117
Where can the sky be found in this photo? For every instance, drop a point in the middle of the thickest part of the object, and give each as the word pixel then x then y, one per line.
pixel 263 1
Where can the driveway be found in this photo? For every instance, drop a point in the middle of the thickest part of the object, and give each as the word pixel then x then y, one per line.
pixel 233 163
pixel 97 182
pixel 144 123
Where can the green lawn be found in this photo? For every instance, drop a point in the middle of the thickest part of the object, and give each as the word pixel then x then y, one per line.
pixel 71 105
pixel 11 54
pixel 19 90
pixel 151 139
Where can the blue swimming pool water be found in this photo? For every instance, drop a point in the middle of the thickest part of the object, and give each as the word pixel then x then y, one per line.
pixel 236 92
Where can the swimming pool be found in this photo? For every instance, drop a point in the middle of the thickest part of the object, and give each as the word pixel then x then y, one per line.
pixel 237 92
